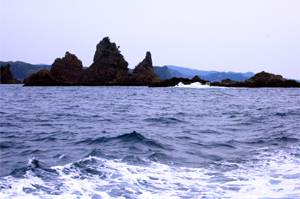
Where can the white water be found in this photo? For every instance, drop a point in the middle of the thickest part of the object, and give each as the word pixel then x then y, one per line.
pixel 192 85
pixel 274 176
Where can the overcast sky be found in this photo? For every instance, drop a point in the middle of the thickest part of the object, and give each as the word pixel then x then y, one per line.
pixel 224 35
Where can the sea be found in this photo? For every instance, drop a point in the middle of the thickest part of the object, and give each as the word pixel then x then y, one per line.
pixel 143 143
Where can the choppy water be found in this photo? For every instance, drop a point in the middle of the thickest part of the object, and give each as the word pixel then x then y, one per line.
pixel 138 142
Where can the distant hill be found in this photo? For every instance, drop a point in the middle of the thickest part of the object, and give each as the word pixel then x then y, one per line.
pixel 167 72
pixel 21 70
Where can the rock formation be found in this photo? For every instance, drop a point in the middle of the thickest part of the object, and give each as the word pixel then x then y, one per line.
pixel 6 77
pixel 262 79
pixel 64 71
pixel 109 67
pixel 40 78
pixel 144 74
pixel 67 70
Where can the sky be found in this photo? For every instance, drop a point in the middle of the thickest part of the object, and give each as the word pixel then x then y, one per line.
pixel 223 35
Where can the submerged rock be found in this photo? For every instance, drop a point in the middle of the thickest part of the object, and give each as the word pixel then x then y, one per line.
pixel 144 74
pixel 67 70
pixel 109 67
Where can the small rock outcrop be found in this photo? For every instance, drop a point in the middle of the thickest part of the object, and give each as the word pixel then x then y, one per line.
pixel 227 83
pixel 109 67
pixel 40 78
pixel 262 79
pixel 144 74
pixel 6 76
pixel 67 70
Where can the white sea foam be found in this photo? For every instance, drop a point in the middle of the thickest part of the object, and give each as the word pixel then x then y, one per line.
pixel 195 85
pixel 275 176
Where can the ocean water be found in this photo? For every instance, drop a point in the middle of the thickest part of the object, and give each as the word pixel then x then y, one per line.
pixel 139 142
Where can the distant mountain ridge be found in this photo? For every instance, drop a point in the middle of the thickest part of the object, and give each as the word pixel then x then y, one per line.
pixel 21 70
pixel 170 71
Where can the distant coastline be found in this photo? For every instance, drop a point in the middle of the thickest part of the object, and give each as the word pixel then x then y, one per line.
pixel 111 69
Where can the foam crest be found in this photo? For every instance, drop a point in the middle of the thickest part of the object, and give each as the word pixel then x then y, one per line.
pixel 276 176
pixel 192 85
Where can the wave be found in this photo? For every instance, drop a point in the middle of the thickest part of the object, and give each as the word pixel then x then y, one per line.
pixel 34 165
pixel 164 120
pixel 274 176
pixel 133 137
pixel 268 141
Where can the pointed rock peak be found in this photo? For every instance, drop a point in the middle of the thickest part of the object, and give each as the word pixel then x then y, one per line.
pixel 147 61
pixel 148 56
pixel 106 47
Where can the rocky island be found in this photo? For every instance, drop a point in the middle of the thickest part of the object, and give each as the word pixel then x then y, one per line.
pixel 109 68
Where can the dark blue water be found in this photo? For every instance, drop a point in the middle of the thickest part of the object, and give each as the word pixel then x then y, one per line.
pixel 139 142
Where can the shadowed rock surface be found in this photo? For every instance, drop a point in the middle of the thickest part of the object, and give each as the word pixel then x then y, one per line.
pixel 67 70
pixel 109 67
pixel 41 78
pixel 6 77
pixel 144 74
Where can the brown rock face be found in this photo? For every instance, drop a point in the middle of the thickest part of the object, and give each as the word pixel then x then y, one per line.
pixel 109 67
pixel 67 70
pixel 144 74
pixel 6 77
pixel 40 78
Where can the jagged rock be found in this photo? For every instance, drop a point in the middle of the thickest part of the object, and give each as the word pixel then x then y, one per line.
pixel 6 77
pixel 67 70
pixel 144 74
pixel 109 67
pixel 175 80
pixel 40 78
